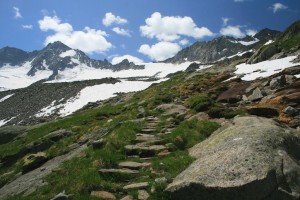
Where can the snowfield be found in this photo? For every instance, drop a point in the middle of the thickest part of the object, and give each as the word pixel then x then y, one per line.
pixel 265 68
pixel 14 77
pixel 93 94
pixel 83 72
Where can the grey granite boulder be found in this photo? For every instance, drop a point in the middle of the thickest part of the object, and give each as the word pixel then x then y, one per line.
pixel 255 158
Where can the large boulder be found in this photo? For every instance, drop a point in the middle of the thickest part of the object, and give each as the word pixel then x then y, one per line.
pixel 255 158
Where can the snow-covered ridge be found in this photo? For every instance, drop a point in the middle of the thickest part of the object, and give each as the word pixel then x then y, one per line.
pixel 264 69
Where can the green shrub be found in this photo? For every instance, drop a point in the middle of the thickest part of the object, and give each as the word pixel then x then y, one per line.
pixel 199 102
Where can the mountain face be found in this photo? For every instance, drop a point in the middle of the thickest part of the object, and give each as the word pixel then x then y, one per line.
pixel 222 47
pixel 57 57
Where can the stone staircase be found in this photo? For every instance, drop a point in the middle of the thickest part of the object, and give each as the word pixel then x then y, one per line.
pixel 147 145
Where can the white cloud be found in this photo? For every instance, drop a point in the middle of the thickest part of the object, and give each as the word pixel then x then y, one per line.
pixel 110 19
pixel 225 21
pixel 88 40
pixel 130 58
pixel 160 51
pixel 169 28
pixel 184 42
pixel 239 0
pixel 251 32
pixel 121 31
pixel 17 12
pixel 27 26
pixel 233 31
pixel 54 24
pixel 277 7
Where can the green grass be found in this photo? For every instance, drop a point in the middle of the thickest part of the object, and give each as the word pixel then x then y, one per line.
pixel 191 132
pixel 199 102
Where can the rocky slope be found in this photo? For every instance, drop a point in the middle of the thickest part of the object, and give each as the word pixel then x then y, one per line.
pixel 222 47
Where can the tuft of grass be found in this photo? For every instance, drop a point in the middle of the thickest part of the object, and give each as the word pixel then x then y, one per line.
pixel 199 102
pixel 191 132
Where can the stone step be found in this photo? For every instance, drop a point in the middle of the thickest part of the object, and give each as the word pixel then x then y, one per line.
pixel 145 137
pixel 163 153
pixel 133 165
pixel 117 171
pixel 135 186
pixel 148 130
pixel 144 151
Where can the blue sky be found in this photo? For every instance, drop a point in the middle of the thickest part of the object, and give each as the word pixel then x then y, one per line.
pixel 144 29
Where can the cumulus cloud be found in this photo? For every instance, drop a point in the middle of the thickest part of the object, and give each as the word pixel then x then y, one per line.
pixel 27 26
pixel 184 42
pixel 234 31
pixel 121 31
pixel 251 32
pixel 130 58
pixel 88 40
pixel 278 7
pixel 110 19
pixel 160 51
pixel 170 28
pixel 225 21
pixel 17 12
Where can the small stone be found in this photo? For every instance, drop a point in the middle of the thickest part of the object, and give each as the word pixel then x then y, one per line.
pixel 290 111
pixel 133 165
pixel 136 186
pixel 128 197
pixel 33 161
pixel 61 196
pixel 163 153
pixel 120 171
pixel 98 143
pixel 143 195
pixel 256 95
pixel 103 195
pixel 153 190
pixel 276 83
pixel 161 180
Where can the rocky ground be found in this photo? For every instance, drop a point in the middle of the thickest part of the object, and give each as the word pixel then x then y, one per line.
pixel 26 103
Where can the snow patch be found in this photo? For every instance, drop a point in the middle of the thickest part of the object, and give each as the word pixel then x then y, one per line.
pixel 83 72
pixel 5 121
pixel 102 92
pixel 6 97
pixel 70 53
pixel 249 42
pixel 265 68
pixel 47 111
pixel 269 42
pixel 14 77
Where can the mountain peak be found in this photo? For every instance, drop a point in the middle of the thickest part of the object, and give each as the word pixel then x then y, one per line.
pixel 58 45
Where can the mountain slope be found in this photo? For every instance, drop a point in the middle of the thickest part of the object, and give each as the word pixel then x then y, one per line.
pixel 222 47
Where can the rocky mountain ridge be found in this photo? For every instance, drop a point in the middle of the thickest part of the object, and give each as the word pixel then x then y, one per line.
pixel 222 47
pixel 57 57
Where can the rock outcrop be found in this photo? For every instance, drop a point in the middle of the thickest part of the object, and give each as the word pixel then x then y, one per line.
pixel 255 158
